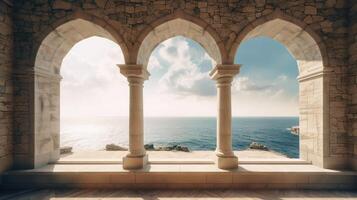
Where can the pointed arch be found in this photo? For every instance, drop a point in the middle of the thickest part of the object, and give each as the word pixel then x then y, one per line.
pixel 302 42
pixel 176 24
pixel 56 42
pixel 101 28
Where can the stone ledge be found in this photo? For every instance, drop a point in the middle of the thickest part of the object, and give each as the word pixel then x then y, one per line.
pixel 247 176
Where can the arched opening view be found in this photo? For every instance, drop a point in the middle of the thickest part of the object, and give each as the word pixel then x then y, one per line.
pixel 85 55
pixel 277 93
pixel 265 99
pixel 94 97
pixel 180 97
pixel 187 99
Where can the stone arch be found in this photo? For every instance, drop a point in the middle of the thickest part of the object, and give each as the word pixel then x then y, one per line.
pixel 310 52
pixel 51 50
pixel 184 25
pixel 302 42
pixel 54 43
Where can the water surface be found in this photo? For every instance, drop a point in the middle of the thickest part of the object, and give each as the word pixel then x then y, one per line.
pixel 198 133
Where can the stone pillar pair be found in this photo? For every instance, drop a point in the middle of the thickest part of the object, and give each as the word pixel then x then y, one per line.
pixel 222 74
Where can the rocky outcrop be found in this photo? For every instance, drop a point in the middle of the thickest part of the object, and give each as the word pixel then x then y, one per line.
pixel 151 147
pixel 114 147
pixel 255 145
pixel 65 150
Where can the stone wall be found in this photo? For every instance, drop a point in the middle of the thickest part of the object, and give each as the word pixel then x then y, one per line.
pixel 352 115
pixel 6 88
pixel 226 21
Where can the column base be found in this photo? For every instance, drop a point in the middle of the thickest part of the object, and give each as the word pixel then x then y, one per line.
pixel 135 162
pixel 230 162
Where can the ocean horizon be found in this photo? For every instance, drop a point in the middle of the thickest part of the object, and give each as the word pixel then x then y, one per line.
pixel 197 133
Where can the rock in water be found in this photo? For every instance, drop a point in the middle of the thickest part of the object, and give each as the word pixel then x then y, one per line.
pixel 177 148
pixel 255 145
pixel 149 147
pixel 114 147
pixel 185 149
pixel 65 150
pixel 166 148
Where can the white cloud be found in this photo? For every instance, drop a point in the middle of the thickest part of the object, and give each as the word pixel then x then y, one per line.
pixel 92 84
pixel 183 76
pixel 207 57
pixel 245 84
pixel 250 98
pixel 282 77
pixel 153 63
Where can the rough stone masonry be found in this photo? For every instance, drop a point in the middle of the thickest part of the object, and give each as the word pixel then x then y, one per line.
pixel 6 86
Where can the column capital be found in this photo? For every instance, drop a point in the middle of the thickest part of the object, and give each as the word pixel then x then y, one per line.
pixel 134 71
pixel 224 71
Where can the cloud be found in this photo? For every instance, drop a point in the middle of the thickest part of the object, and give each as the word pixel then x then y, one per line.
pixel 282 77
pixel 153 63
pixel 245 84
pixel 183 75
pixel 82 68
pixel 92 83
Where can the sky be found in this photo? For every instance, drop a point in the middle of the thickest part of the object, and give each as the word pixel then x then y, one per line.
pixel 179 84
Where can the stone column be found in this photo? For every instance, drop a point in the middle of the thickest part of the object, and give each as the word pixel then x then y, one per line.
pixel 136 157
pixel 223 75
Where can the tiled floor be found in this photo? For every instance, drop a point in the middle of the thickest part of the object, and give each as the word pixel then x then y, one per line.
pixel 179 194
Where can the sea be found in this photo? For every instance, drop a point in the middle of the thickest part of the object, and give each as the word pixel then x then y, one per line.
pixel 197 133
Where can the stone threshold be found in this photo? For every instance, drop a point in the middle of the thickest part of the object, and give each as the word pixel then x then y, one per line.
pixel 165 176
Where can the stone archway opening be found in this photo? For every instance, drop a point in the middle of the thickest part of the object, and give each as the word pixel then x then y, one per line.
pixel 265 99
pixel 51 52
pixel 179 75
pixel 94 98
pixel 305 48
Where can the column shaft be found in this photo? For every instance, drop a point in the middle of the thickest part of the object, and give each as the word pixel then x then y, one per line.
pixel 223 74
pixel 136 157
pixel 224 120
pixel 136 117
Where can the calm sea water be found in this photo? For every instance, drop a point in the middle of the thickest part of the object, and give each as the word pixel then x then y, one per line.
pixel 198 133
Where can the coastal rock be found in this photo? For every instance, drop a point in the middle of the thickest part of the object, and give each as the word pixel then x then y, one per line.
pixel 176 148
pixel 151 147
pixel 114 147
pixel 65 150
pixel 255 145
pixel 181 148
pixel 167 148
